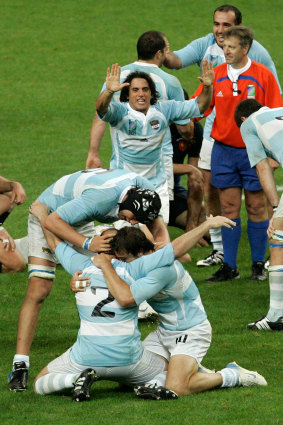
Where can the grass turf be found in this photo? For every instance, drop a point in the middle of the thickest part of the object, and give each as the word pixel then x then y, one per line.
pixel 54 56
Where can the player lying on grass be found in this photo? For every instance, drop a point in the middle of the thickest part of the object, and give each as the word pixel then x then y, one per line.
pixel 183 335
pixel 11 194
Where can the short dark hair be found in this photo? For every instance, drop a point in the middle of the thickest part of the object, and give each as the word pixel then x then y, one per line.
pixel 243 34
pixel 132 240
pixel 149 43
pixel 124 96
pixel 245 109
pixel 230 8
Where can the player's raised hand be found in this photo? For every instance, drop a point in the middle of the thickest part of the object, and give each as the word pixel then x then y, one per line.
pixel 113 79
pixel 207 77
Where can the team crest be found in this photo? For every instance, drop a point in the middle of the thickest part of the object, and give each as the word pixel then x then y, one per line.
pixel 182 146
pixel 132 127
pixel 155 124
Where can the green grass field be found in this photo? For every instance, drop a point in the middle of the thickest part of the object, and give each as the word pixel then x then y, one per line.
pixel 54 56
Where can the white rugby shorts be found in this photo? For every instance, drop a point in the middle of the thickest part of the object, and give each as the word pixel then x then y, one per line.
pixel 138 373
pixel 204 161
pixel 38 246
pixel 193 342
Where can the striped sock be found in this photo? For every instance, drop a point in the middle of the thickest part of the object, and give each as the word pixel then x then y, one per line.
pixel 276 293
pixel 216 239
pixel 230 377
pixel 53 382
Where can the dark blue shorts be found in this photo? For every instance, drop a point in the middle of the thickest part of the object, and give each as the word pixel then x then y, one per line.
pixel 230 167
pixel 179 205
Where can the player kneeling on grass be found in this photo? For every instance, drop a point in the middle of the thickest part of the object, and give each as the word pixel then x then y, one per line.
pixel 132 364
pixel 183 335
pixel 108 344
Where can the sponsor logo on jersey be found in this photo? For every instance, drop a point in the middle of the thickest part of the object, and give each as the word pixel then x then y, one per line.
pixel 251 91
pixel 132 127
pixel 220 94
pixel 155 124
pixel 279 118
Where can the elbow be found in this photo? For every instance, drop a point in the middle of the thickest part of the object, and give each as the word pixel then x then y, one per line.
pixel 127 302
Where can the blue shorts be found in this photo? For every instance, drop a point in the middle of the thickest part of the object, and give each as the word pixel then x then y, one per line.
pixel 230 167
pixel 179 205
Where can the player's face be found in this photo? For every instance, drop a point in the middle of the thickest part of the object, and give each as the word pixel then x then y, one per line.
pixel 139 95
pixel 235 54
pixel 128 216
pixel 222 21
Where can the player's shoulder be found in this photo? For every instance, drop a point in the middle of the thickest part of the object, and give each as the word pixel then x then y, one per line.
pixel 164 105
pixel 260 68
pixel 205 41
pixel 257 49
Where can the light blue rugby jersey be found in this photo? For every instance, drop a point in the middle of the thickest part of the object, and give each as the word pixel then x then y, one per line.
pixel 168 87
pixel 90 195
pixel 207 48
pixel 172 293
pixel 108 334
pixel 138 137
pixel 262 133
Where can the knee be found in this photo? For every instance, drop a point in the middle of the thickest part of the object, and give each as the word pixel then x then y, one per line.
pixel 257 209
pixel 179 386
pixel 257 206
pixel 38 290
pixel 230 209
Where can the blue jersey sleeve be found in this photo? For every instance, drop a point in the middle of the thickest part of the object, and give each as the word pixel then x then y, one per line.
pixel 70 259
pixel 162 257
pixel 93 203
pixel 176 111
pixel 194 52
pixel 114 114
pixel 152 283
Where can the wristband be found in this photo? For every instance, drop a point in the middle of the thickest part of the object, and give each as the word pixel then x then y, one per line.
pixel 87 243
pixel 275 208
pixel 2 228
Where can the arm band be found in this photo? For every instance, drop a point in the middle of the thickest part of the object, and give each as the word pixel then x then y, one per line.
pixel 87 243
